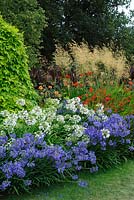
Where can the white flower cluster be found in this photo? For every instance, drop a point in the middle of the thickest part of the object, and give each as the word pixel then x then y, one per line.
pixel 77 132
pixel 10 121
pixel 4 113
pixel 100 115
pixel 60 118
pixel 105 133
pixel 46 120
pixel 75 104
pixel 21 102
pixel 36 111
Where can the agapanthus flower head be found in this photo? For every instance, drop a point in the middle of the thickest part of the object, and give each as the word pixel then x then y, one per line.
pixel 27 182
pixel 100 106
pixel 105 133
pixel 94 169
pixel 21 102
pixel 4 113
pixel 131 148
pixel 75 177
pixel 5 185
pixel 82 183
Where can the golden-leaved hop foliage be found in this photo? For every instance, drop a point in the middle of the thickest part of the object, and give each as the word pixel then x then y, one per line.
pixel 87 60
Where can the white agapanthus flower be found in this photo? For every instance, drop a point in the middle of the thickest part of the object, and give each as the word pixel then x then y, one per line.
pixel 21 102
pixel 78 130
pixel 56 101
pixel 43 117
pixel 50 116
pixel 30 121
pixel 104 118
pixel 100 106
pixel 77 100
pixel 76 118
pixel 45 127
pixel 4 113
pixel 67 117
pixel 36 111
pixel 41 127
pixel 52 102
pixel 60 118
pixel 67 127
pixel 11 121
pixel 23 114
pixel 101 115
pixel 100 112
pixel 91 113
pixel 83 110
pixel 105 133
pixel 71 106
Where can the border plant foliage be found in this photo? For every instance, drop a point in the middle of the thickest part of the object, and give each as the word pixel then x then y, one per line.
pixel 15 80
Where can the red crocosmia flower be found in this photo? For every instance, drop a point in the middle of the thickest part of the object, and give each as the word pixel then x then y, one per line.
pixel 75 84
pixel 107 98
pixel 130 83
pixel 91 89
pixel 80 97
pixel 93 97
pixel 86 102
pixel 68 76
pixel 89 73
pixel 81 75
pixel 80 85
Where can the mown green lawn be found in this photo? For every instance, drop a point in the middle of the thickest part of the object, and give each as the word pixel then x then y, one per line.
pixel 113 184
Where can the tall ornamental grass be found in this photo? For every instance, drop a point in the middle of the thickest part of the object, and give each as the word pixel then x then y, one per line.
pixel 102 60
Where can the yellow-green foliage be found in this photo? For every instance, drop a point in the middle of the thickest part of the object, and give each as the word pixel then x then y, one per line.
pixel 91 60
pixel 15 81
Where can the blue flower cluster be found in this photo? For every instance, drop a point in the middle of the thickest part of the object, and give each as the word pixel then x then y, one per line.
pixel 110 132
pixel 19 155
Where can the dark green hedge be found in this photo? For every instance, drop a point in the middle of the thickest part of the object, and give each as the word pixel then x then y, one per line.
pixel 15 81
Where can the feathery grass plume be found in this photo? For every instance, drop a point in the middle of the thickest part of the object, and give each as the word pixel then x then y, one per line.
pixel 81 54
pixel 62 57
pixel 104 57
pixel 101 61
pixel 115 62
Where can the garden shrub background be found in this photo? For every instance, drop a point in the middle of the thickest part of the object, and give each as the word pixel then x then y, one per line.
pixel 15 80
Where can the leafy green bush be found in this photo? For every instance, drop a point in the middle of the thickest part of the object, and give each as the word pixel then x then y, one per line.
pixel 29 18
pixel 15 81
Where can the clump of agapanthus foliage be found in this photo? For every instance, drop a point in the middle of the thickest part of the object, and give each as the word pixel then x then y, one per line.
pixel 45 145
